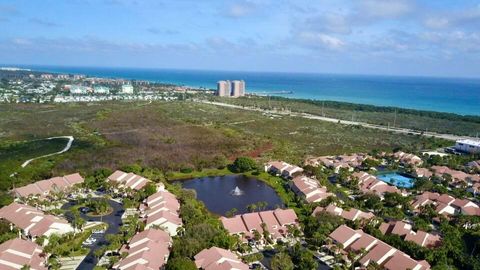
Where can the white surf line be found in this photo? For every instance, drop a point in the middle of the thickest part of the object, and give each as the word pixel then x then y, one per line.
pixel 67 147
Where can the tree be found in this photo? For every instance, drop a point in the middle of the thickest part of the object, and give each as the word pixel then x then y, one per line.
pixel 149 189
pixel 281 261
pixel 244 164
pixel 181 263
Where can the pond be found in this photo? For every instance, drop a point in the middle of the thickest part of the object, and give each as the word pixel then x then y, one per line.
pixel 222 193
pixel 397 179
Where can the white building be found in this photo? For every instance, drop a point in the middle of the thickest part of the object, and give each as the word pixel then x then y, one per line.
pixel 231 88
pixel 468 146
pixel 127 89
pixel 101 90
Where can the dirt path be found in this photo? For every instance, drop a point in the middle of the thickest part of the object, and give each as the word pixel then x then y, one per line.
pixel 65 149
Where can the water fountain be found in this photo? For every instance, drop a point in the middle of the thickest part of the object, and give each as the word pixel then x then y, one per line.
pixel 236 191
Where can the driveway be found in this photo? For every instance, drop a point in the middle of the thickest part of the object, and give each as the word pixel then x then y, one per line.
pixel 113 220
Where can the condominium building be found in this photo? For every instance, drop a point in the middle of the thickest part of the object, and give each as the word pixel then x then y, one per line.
pixel 17 253
pixel 223 88
pixel 231 88
pixel 127 89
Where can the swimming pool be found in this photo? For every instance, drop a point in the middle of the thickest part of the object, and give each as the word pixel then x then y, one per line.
pixel 397 179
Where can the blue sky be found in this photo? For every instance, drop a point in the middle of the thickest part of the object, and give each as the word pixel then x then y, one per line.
pixel 394 37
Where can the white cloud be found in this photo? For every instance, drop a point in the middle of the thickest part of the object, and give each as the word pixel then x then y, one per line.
pixel 240 9
pixel 320 40
pixel 384 9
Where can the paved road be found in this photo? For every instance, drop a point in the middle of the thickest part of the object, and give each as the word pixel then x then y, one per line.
pixel 451 137
pixel 113 220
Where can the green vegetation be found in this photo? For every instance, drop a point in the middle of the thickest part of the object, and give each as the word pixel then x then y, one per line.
pixel 387 116
pixel 244 164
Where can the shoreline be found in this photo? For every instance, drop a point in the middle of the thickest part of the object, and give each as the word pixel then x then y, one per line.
pixel 264 91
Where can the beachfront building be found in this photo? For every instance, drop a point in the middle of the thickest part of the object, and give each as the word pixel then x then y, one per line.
pixel 44 187
pixel 352 214
pixel 127 89
pixel 309 189
pixel 405 231
pixel 468 146
pixel 371 250
pixel 17 253
pixel 223 88
pixel 33 222
pixel 216 258
pixel 162 209
pixel 276 222
pixel 231 88
pixel 283 169
pixel 146 250
pixel 370 184
pixel 445 204
pixel 101 90
pixel 128 180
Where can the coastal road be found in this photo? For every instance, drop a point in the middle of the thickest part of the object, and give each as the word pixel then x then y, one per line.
pixel 450 137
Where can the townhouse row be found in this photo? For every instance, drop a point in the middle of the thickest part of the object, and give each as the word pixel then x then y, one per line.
pixel 276 222
pixel 369 249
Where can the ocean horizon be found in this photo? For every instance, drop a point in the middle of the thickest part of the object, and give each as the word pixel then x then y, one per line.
pixel 453 95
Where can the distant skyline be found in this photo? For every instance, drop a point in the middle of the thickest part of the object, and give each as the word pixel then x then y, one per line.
pixel 384 37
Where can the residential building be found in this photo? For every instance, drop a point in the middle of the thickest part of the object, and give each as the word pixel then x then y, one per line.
pixel 370 184
pixel 230 88
pixel 162 209
pixel 405 231
pixel 101 90
pixel 349 162
pixel 216 258
pixel 16 253
pixel 147 250
pixel 223 88
pixel 33 222
pixel 445 204
pixel 468 146
pixel 238 88
pixel 423 172
pixel 372 250
pixel 283 169
pixel 79 90
pixel 127 89
pixel 63 76
pixel 309 189
pixel 276 223
pixel 352 214
pixel 44 187
pixel 407 159
pixel 128 180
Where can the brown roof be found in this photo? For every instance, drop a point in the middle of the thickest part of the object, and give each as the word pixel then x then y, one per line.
pixel 21 252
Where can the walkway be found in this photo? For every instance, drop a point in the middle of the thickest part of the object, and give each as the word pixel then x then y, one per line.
pixel 67 147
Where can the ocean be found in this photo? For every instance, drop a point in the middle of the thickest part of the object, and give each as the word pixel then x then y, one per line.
pixel 455 95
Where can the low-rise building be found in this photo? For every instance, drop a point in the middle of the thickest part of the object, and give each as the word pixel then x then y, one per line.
pixel 283 169
pixel 309 189
pixel 445 204
pixel 44 187
pixel 372 250
pixel 162 209
pixel 407 159
pixel 405 231
pixel 370 184
pixel 33 222
pixel 127 89
pixel 17 253
pixel 352 214
pixel 128 180
pixel 147 250
pixel 349 162
pixel 468 146
pixel 216 258
pixel 276 222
